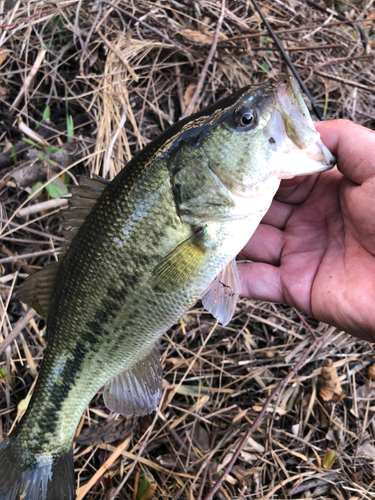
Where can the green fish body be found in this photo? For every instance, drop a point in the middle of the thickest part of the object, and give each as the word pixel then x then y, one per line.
pixel 141 250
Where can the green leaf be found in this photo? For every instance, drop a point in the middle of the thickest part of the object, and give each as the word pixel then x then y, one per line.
pixel 52 149
pixel 46 113
pixel 70 128
pixel 147 487
pixel 44 158
pixel 266 66
pixel 329 459
pixel 3 372
pixel 14 155
pixel 66 178
pixel 56 188
pixel 36 186
pixel 32 143
pixel 265 40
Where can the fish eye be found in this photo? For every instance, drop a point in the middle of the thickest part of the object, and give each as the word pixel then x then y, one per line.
pixel 245 118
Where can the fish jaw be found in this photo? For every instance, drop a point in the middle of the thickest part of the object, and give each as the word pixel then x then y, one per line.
pixel 302 151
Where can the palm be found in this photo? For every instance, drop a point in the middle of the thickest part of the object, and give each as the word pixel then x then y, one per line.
pixel 315 249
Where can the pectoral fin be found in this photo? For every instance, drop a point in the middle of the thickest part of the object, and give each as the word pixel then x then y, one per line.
pixel 136 391
pixel 220 298
pixel 176 269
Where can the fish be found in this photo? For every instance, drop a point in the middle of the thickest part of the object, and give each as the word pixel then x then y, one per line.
pixel 139 252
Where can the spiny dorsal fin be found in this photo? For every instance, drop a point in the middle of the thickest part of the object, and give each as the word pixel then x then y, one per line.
pixel 38 289
pixel 83 199
pixel 136 391
pixel 220 298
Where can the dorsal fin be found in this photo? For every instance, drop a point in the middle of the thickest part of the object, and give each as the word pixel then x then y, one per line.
pixel 83 199
pixel 38 289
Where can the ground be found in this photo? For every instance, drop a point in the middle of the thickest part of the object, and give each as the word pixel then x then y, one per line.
pixel 83 86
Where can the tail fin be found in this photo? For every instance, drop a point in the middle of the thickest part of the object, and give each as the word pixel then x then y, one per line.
pixel 29 477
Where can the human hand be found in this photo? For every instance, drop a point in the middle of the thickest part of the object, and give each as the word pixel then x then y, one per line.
pixel 315 247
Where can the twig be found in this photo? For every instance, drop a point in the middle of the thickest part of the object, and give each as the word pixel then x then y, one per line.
pixel 344 80
pixel 44 205
pixel 141 449
pixel 22 323
pixel 325 9
pixel 81 493
pixel 305 322
pixel 112 143
pixel 288 49
pixel 29 255
pixel 337 60
pixel 294 30
pixel 119 55
pixel 259 418
pixel 38 14
pixel 285 56
pixel 33 231
pixel 28 80
pixel 16 153
pixel 165 37
pixel 206 64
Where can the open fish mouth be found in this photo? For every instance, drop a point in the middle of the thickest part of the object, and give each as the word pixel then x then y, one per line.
pixel 296 136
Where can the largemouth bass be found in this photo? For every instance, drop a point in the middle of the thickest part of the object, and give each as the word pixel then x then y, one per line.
pixel 140 251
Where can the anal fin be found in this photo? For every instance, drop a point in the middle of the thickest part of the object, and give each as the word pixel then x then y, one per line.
pixel 136 391
pixel 220 298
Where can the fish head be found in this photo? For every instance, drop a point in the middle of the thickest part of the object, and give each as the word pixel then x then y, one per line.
pixel 267 134
pixel 242 147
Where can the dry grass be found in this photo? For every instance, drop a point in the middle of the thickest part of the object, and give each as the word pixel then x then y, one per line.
pixel 125 71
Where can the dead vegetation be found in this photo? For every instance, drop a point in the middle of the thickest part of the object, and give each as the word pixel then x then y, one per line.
pixel 83 86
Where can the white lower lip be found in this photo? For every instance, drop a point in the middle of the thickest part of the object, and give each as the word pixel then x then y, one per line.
pixel 303 162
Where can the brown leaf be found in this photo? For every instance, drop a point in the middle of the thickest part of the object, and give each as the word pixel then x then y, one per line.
pixel 365 393
pixel 201 438
pixel 8 145
pixel 168 461
pixel 357 476
pixel 330 389
pixel 3 91
pixel 3 55
pixel 242 475
pixel 105 432
pixel 199 37
pixel 366 450
pixel 189 92
pixel 371 372
pixel 149 493
pixel 183 363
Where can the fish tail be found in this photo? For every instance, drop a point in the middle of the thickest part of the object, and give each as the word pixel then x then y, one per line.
pixel 27 476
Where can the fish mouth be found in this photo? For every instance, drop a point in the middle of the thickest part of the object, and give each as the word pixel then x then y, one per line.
pixel 303 150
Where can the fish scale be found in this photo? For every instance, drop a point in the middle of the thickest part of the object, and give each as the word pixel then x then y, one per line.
pixel 161 235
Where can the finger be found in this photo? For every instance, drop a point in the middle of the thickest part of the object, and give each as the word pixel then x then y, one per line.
pixel 264 246
pixel 278 214
pixel 353 145
pixel 359 209
pixel 261 281
pixel 296 190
